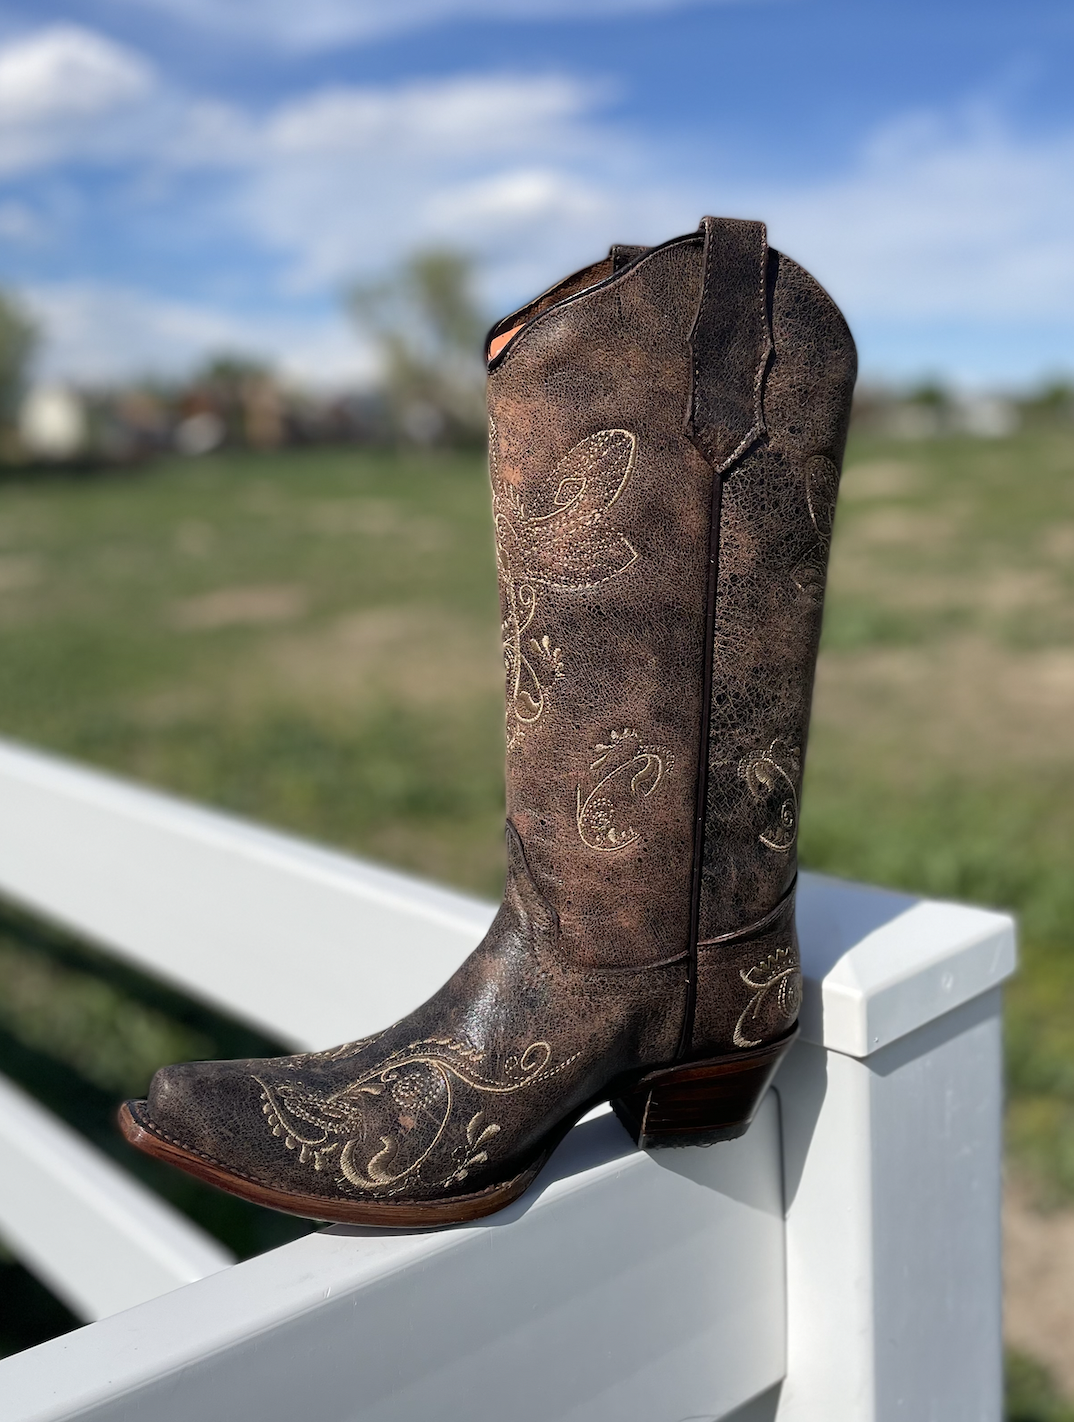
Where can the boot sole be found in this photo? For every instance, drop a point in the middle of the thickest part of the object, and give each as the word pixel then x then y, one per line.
pixel 696 1103
pixel 413 1214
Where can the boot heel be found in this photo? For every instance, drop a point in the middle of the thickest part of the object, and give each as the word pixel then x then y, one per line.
pixel 699 1103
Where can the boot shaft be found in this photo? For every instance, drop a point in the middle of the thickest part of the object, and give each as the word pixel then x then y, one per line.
pixel 666 432
pixel 601 508
pixel 776 511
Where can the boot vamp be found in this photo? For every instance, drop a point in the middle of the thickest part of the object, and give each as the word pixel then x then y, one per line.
pixel 462 1093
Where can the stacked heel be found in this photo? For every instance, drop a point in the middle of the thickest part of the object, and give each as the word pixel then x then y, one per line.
pixel 701 1102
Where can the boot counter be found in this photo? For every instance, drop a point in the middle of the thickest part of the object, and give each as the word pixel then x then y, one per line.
pixel 749 985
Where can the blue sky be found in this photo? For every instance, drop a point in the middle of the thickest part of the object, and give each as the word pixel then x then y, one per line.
pixel 184 176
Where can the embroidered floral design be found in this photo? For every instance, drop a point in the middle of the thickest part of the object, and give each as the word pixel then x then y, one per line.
pixel 383 1126
pixel 627 772
pixel 776 982
pixel 772 778
pixel 555 539
pixel 822 487
pixel 477 1135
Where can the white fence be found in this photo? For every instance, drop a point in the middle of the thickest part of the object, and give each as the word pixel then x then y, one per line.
pixel 840 1263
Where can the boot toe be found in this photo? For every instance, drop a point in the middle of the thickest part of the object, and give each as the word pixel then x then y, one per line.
pixel 207 1108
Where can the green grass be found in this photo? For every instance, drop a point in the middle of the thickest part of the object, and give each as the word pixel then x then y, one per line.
pixel 311 640
pixel 942 755
pixel 1031 1396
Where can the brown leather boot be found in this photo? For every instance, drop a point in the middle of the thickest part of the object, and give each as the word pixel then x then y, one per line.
pixel 667 428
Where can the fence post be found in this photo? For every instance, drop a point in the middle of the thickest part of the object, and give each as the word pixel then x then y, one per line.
pixel 892 1142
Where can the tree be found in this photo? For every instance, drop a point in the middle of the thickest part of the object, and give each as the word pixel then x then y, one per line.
pixel 18 338
pixel 427 326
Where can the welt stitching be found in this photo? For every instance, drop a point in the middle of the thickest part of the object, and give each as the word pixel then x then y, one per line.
pixel 155 1130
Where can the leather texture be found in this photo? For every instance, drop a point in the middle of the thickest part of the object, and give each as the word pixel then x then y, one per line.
pixel 666 433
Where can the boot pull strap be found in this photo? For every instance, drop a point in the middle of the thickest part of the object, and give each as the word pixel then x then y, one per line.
pixel 623 254
pixel 730 342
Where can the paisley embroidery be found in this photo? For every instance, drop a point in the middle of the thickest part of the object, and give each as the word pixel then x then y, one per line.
pixel 778 978
pixel 627 772
pixel 554 540
pixel 822 487
pixel 773 780
pixel 384 1125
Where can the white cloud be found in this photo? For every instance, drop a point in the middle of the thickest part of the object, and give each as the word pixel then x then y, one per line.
pixel 941 219
pixel 946 239
pixel 938 220
pixel 474 115
pixel 348 180
pixel 61 90
pixel 100 332
pixel 66 70
pixel 341 182
pixel 316 24
pixel 516 197
pixel 207 133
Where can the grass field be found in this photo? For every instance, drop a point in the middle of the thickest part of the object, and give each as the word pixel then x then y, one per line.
pixel 312 640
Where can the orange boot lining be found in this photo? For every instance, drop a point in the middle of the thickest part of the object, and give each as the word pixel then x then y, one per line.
pixel 497 343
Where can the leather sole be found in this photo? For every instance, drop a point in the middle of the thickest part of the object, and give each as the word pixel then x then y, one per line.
pixel 694 1103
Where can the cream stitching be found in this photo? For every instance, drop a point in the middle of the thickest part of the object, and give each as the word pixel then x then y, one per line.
pixel 155 1130
pixel 779 974
pixel 554 542
pixel 387 1122
pixel 627 774
pixel 772 776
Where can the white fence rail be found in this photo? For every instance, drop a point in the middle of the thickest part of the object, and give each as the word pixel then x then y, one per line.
pixel 97 1238
pixel 838 1264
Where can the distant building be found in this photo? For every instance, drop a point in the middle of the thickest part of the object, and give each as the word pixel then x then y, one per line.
pixel 52 423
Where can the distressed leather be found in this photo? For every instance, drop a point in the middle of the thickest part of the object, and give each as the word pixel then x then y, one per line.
pixel 666 434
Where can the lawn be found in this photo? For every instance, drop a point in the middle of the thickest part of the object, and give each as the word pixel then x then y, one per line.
pixel 311 639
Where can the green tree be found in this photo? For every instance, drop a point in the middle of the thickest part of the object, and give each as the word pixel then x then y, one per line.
pixel 427 326
pixel 1052 403
pixel 18 338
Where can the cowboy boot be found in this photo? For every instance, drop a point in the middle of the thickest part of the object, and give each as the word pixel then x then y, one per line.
pixel 666 434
